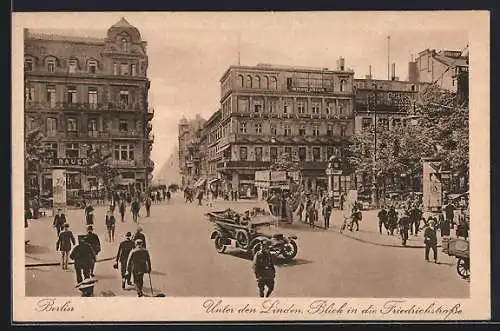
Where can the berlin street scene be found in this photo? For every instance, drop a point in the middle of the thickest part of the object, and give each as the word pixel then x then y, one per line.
pixel 183 156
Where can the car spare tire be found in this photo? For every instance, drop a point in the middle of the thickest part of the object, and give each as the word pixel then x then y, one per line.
pixel 243 238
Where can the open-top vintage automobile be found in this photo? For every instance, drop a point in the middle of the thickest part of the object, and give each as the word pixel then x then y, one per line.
pixel 247 229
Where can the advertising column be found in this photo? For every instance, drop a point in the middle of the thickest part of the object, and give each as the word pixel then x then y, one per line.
pixel 431 185
pixel 59 188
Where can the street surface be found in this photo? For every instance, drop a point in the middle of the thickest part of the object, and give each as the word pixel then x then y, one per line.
pixel 185 263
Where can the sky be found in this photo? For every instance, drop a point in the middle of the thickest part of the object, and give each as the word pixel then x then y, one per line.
pixel 189 52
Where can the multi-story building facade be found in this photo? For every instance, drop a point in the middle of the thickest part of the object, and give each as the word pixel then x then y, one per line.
pixel 269 110
pixel 444 67
pixel 190 160
pixel 212 133
pixel 84 92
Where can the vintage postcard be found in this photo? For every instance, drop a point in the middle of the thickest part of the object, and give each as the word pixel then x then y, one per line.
pixel 228 166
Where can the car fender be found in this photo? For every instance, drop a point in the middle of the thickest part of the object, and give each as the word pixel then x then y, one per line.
pixel 215 233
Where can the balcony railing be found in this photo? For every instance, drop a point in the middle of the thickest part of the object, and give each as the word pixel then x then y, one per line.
pixel 124 163
pixel 128 133
pixel 82 106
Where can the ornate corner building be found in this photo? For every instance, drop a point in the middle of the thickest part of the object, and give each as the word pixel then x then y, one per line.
pixel 83 92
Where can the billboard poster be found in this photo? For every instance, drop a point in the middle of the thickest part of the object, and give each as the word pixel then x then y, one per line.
pixel 59 188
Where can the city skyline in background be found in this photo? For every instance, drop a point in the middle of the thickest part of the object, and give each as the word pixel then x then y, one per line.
pixel 187 60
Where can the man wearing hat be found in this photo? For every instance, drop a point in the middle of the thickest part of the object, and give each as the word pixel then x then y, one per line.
pixel 126 246
pixel 430 239
pixel 263 267
pixel 138 264
pixel 64 243
pixel 59 221
pixel 93 240
pixel 84 258
pixel 139 235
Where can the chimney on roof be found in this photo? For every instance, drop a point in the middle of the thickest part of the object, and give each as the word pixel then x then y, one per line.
pixel 341 64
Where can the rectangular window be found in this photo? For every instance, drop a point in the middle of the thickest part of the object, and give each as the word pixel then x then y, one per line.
pixel 133 69
pixel 343 131
pixel 28 65
pixel 51 149
pixel 51 66
pixel 72 94
pixel 287 131
pixel 366 123
pixel 123 126
pixel 242 105
pixel 272 106
pixel 72 66
pixel 124 152
pixel 243 153
pixel 302 153
pixel 288 150
pixel 285 109
pixel 115 69
pixel 273 130
pixel 72 150
pixel 273 154
pixel 71 124
pixel 329 131
pixel 31 124
pixel 258 128
pixel 124 100
pixel 92 125
pixel 51 126
pixel 243 128
pixel 124 69
pixel 29 94
pixel 301 107
pixel 316 153
pixel 51 96
pixel 302 130
pixel 396 123
pixel 316 130
pixel 258 153
pixel 331 151
pixel 93 97
pixel 316 108
pixel 92 66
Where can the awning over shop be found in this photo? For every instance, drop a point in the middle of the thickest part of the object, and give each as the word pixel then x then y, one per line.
pixel 200 182
pixel 222 149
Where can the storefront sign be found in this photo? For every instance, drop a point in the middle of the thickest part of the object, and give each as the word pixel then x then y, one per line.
pixel 58 188
pixel 278 176
pixel 66 161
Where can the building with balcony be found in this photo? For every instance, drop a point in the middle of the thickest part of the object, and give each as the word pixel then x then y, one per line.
pixel 268 110
pixel 83 92
pixel 190 157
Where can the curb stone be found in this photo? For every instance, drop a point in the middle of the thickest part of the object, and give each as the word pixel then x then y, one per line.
pixel 55 264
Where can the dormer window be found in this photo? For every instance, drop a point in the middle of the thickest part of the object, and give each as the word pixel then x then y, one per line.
pixel 124 69
pixel 28 64
pixel 92 66
pixel 124 45
pixel 51 64
pixel 72 66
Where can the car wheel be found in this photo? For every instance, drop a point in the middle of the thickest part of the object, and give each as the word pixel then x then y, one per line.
pixel 289 250
pixel 256 247
pixel 219 244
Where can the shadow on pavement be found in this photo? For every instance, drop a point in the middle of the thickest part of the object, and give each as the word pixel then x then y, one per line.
pixel 241 255
pixel 281 263
pixel 36 249
pixel 159 273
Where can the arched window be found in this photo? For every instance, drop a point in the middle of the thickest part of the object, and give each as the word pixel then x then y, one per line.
pixel 257 82
pixel 124 45
pixel 266 82
pixel 274 83
pixel 240 81
pixel 28 64
pixel 249 82
pixel 92 66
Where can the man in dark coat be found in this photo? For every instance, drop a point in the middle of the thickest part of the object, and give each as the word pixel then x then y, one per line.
pixel 382 220
pixel 121 209
pixel 64 243
pixel 404 227
pixel 430 240
pixel 84 257
pixel 93 240
pixel 392 217
pixel 327 212
pixel 89 214
pixel 59 221
pixel 124 250
pixel 148 204
pixel 449 212
pixel 263 267
pixel 138 264
pixel 139 235
pixel 134 208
